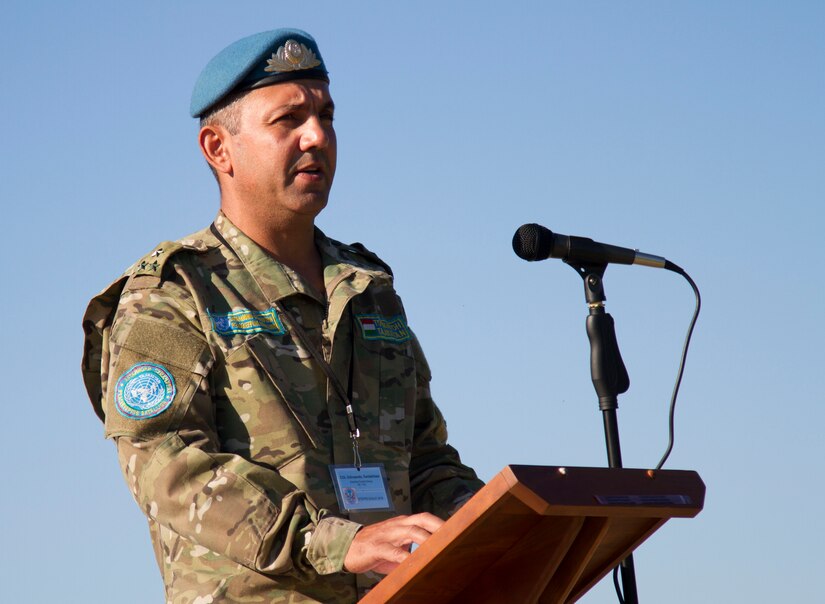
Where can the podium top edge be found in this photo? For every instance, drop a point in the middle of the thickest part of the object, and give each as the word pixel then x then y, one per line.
pixel 550 486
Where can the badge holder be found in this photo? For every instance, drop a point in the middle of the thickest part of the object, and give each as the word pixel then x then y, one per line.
pixel 363 489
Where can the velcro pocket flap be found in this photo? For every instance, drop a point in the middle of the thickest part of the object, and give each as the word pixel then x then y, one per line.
pixel 155 370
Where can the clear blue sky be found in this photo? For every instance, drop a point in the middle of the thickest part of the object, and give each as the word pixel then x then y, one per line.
pixel 692 130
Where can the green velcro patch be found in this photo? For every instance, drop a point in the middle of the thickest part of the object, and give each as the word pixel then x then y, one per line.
pixel 245 321
pixel 389 329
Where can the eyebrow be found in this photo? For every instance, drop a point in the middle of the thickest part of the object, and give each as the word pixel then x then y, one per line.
pixel 290 107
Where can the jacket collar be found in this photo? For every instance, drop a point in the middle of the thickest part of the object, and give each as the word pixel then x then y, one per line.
pixel 277 281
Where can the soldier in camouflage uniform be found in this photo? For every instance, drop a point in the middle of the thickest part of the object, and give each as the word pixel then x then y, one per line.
pixel 234 367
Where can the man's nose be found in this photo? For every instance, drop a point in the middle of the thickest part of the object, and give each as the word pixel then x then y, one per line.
pixel 315 134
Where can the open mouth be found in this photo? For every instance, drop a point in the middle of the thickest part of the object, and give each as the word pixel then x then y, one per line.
pixel 312 170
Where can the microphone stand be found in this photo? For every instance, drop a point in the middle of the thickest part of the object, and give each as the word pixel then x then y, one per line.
pixel 610 379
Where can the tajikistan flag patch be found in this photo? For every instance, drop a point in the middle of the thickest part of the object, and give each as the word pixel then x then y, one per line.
pixel 390 329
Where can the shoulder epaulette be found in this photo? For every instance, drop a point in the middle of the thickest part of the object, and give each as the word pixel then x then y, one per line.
pixel 372 257
pixel 152 263
pixel 149 269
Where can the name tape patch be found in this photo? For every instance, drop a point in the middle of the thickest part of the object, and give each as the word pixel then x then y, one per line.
pixel 391 329
pixel 247 321
pixel 144 390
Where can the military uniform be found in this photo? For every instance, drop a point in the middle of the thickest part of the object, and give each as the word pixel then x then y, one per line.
pixel 226 425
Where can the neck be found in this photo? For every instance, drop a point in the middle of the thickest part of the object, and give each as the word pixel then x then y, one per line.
pixel 290 241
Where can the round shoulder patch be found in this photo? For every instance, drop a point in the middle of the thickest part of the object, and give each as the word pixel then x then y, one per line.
pixel 144 390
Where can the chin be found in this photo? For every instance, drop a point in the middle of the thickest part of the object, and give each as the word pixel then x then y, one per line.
pixel 311 205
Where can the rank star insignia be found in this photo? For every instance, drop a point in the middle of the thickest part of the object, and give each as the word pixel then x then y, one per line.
pixel 292 56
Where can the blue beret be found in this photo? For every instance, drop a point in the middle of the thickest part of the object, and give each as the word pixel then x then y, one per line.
pixel 260 60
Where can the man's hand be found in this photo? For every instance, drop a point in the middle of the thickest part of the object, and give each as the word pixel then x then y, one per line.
pixel 383 546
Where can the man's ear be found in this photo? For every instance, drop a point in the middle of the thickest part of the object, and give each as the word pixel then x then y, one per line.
pixel 214 143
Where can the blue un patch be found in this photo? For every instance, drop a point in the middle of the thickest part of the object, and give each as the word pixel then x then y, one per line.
pixel 144 390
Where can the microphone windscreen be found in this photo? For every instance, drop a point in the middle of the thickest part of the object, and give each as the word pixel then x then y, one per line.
pixel 533 242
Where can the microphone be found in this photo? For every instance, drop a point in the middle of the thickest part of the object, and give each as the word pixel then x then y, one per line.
pixel 534 242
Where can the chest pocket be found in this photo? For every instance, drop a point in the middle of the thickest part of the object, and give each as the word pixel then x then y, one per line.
pixel 384 387
pixel 266 411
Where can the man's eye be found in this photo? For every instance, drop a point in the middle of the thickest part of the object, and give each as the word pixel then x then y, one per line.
pixel 287 117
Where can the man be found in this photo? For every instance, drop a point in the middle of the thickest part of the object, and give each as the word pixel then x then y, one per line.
pixel 269 403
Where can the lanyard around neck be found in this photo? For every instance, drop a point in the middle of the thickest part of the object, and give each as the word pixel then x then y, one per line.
pixel 299 331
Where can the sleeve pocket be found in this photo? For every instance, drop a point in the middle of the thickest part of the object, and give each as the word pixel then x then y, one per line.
pixel 154 372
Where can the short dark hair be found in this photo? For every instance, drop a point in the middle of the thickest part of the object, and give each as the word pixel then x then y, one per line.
pixel 227 113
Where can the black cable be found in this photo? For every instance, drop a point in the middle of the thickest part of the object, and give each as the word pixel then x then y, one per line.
pixel 616 584
pixel 671 422
pixel 681 371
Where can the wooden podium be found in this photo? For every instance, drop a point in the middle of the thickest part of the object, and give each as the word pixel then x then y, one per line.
pixel 540 534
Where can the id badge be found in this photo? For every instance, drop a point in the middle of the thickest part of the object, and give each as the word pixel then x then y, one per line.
pixel 361 490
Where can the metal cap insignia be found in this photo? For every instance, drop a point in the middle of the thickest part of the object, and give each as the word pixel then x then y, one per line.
pixel 292 56
pixel 243 65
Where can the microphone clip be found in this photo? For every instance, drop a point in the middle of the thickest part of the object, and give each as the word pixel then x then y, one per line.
pixel 607 369
pixel 592 275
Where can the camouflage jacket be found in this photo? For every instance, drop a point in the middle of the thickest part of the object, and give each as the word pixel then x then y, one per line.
pixel 226 426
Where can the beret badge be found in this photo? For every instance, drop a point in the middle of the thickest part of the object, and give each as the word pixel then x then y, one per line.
pixel 244 65
pixel 292 56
